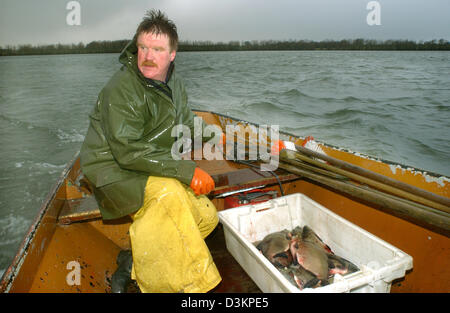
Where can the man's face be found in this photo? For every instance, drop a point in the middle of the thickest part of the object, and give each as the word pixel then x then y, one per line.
pixel 154 55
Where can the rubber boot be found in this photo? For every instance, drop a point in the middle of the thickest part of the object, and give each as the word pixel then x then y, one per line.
pixel 122 276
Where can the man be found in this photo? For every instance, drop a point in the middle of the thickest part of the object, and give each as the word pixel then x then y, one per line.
pixel 127 158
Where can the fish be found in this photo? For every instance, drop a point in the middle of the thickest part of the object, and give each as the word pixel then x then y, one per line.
pixel 297 231
pixel 288 274
pixel 298 276
pixel 276 248
pixel 310 257
pixel 339 265
pixel 305 279
pixel 308 235
pixel 303 258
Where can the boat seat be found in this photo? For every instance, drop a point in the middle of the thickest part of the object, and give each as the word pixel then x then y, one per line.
pixel 80 204
pixel 77 210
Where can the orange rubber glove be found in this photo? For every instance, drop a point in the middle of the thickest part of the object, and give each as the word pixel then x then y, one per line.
pixel 202 183
pixel 277 146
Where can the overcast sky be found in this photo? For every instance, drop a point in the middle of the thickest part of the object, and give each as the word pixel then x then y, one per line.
pixel 44 21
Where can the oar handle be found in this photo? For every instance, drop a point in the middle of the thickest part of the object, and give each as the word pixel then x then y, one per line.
pixel 375 176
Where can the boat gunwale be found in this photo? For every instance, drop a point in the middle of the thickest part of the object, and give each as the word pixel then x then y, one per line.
pixel 8 276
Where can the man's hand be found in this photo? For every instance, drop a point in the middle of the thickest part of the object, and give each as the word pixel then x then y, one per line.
pixel 202 183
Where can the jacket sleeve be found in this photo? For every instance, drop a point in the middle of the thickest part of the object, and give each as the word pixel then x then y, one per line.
pixel 123 122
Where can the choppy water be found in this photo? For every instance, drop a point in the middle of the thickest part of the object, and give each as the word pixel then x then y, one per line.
pixel 392 105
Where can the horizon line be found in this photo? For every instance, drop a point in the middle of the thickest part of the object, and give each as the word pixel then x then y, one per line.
pixel 232 41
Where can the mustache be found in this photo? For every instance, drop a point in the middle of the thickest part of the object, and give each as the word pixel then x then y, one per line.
pixel 149 63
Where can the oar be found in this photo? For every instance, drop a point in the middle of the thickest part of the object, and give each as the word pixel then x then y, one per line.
pixel 400 207
pixel 289 154
pixel 371 178
pixel 378 177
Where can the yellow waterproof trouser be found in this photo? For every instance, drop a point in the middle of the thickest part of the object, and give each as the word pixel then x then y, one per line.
pixel 167 239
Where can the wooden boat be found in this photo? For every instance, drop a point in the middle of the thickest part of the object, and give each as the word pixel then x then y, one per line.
pixel 69 226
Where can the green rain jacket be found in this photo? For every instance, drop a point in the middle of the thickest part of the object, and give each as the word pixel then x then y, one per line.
pixel 129 136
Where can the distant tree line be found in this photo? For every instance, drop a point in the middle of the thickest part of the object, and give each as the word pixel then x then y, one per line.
pixel 347 44
pixel 92 47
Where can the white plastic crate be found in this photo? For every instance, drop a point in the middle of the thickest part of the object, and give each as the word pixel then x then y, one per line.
pixel 379 262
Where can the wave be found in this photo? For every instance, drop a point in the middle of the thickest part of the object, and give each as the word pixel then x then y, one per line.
pixel 12 226
pixel 9 119
pixel 66 137
pixel 343 113
pixel 203 68
pixel 38 168
pixel 292 94
pixel 71 136
pixel 49 165
pixel 443 107
pixel 264 108
pixel 19 123
pixel 394 68
pixel 349 123
pixel 33 168
pixel 349 99
pixel 347 113
pixel 12 229
pixel 324 79
pixel 422 147
pixel 402 98
pixel 296 95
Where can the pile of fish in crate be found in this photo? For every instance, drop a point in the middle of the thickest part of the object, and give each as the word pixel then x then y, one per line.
pixel 303 258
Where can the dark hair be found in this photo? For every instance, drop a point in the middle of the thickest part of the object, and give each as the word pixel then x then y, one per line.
pixel 156 22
